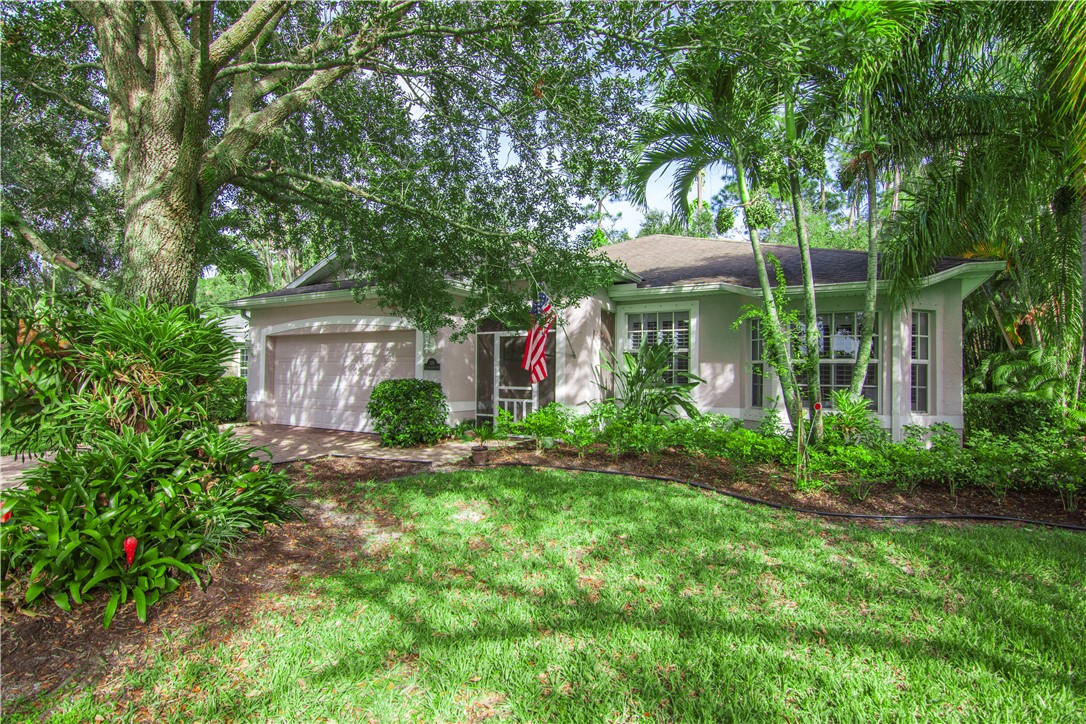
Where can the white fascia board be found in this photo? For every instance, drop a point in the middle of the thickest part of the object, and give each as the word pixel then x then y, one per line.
pixel 623 292
pixel 314 271
pixel 979 273
pixel 289 299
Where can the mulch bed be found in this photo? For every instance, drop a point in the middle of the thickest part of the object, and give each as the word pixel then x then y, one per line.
pixel 45 647
pixel 777 485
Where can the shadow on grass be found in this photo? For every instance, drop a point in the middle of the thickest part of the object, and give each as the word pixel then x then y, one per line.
pixel 586 596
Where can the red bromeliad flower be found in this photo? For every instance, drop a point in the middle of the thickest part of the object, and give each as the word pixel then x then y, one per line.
pixel 6 518
pixel 130 549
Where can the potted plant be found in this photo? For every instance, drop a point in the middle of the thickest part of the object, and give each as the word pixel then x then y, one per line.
pixel 480 452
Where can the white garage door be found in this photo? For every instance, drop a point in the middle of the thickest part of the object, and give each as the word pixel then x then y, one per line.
pixel 325 380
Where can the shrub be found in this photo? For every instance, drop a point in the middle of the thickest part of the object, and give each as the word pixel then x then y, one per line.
pixel 547 422
pixel 156 486
pixel 1067 474
pixel 862 467
pixel 1010 414
pixel 707 433
pixel 226 401
pixel 582 432
pixel 647 438
pixel 174 496
pixel 745 447
pixel 409 412
pixel 70 370
pixel 852 421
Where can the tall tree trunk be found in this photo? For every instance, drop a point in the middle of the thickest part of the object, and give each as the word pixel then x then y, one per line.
pixel 896 198
pixel 160 243
pixel 782 355
pixel 867 327
pixel 999 319
pixel 810 309
pixel 1082 320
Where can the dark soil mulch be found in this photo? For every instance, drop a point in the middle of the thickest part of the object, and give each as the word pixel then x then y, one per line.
pixel 777 485
pixel 45 647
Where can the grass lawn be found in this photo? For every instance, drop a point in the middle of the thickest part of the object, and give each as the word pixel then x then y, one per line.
pixel 547 596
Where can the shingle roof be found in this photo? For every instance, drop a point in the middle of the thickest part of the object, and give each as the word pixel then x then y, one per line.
pixel 664 260
pixel 308 289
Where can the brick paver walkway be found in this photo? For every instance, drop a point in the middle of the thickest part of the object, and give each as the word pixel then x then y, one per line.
pixel 303 443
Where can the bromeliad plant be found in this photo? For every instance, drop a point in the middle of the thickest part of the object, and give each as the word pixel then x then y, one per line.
pixel 143 484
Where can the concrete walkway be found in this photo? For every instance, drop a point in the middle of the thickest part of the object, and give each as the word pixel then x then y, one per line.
pixel 287 444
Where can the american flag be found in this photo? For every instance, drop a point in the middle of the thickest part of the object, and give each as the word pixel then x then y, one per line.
pixel 535 347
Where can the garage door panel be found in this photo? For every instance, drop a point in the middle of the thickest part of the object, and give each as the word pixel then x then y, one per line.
pixel 326 380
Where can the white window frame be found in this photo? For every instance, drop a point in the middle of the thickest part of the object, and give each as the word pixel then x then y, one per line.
pixel 243 359
pixel 691 307
pixel 757 362
pixel 914 361
pixel 877 360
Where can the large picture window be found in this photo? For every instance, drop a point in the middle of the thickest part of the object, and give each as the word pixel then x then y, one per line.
pixel 839 343
pixel 671 328
pixel 920 351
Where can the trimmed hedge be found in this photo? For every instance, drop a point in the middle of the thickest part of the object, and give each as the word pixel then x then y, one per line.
pixel 409 412
pixel 1010 414
pixel 226 401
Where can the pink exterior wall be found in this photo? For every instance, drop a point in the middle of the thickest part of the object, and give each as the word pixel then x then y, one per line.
pixel 579 348
pixel 344 317
pixel 721 354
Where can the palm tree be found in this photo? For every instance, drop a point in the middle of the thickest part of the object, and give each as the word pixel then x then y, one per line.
pixel 710 113
pixel 997 167
pixel 871 37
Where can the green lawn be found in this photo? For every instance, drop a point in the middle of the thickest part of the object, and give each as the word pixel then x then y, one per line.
pixel 546 596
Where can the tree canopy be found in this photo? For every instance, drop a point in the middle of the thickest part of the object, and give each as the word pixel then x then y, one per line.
pixel 428 141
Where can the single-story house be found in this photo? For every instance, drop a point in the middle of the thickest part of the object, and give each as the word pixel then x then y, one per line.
pixel 316 354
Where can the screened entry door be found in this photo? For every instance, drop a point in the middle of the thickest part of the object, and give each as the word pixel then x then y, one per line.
pixel 515 392
pixel 502 384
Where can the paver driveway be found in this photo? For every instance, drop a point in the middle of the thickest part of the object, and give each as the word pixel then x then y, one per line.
pixel 287 443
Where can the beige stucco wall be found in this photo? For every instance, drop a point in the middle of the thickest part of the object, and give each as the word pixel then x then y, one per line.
pixel 578 352
pixel 723 354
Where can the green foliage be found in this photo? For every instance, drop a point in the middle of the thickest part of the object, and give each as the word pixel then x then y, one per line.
pixel 226 402
pixel 706 433
pixel 645 384
pixel 484 433
pixel 75 369
pixel 581 433
pixel 647 438
pixel 547 422
pixel 1010 414
pixel 852 421
pixel 120 390
pixel 822 233
pixel 180 497
pixel 725 220
pixel 862 467
pixel 760 211
pixel 409 412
